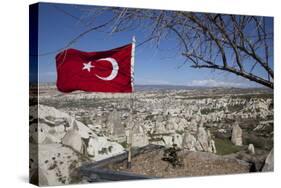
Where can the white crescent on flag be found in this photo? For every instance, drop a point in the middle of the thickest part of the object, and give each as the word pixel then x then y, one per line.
pixel 114 71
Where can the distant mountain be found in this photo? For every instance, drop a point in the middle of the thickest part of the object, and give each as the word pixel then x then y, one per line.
pixel 179 87
pixel 182 87
pixel 164 87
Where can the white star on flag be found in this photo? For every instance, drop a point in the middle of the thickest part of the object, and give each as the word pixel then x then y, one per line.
pixel 88 66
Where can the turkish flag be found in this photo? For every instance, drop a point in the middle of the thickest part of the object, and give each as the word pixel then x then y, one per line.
pixel 105 71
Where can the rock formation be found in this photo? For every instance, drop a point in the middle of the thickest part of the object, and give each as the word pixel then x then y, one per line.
pixel 236 137
pixel 165 118
pixel 269 162
pixel 100 148
pixel 202 141
pixel 212 146
pixel 63 143
pixel 189 142
pixel 73 139
pixel 251 149
pixel 202 137
pixel 140 140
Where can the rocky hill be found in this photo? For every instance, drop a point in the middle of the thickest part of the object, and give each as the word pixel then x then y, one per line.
pixel 83 127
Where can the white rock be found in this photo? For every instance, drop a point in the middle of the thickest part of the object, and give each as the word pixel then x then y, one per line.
pixel 84 131
pixel 212 146
pixel 236 137
pixel 269 162
pixel 198 146
pixel 173 139
pixel 96 127
pixel 192 126
pixel 189 142
pixel 114 123
pixel 171 124
pixel 51 140
pixel 160 127
pixel 251 148
pixel 38 132
pixel 139 140
pixel 222 131
pixel 73 139
pixel 56 133
pixel 100 148
pixel 202 137
pixel 182 123
pixel 56 163
pixel 47 111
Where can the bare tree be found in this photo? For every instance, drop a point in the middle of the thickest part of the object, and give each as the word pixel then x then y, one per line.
pixel 241 45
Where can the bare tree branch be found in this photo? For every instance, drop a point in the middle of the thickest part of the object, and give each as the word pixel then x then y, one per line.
pixel 240 45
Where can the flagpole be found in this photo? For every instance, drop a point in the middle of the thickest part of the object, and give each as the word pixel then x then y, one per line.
pixel 133 62
pixel 130 135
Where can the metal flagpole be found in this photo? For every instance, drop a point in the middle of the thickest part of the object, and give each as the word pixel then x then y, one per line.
pixel 130 133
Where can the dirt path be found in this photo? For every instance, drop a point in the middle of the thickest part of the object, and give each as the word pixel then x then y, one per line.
pixel 194 164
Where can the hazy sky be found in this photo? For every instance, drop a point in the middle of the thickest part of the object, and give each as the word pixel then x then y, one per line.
pixel 152 65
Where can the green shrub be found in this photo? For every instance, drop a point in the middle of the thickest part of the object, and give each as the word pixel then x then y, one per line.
pixel 225 146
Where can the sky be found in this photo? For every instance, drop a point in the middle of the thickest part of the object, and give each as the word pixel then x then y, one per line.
pixel 161 66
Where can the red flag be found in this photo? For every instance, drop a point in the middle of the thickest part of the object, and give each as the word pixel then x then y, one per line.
pixel 106 71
